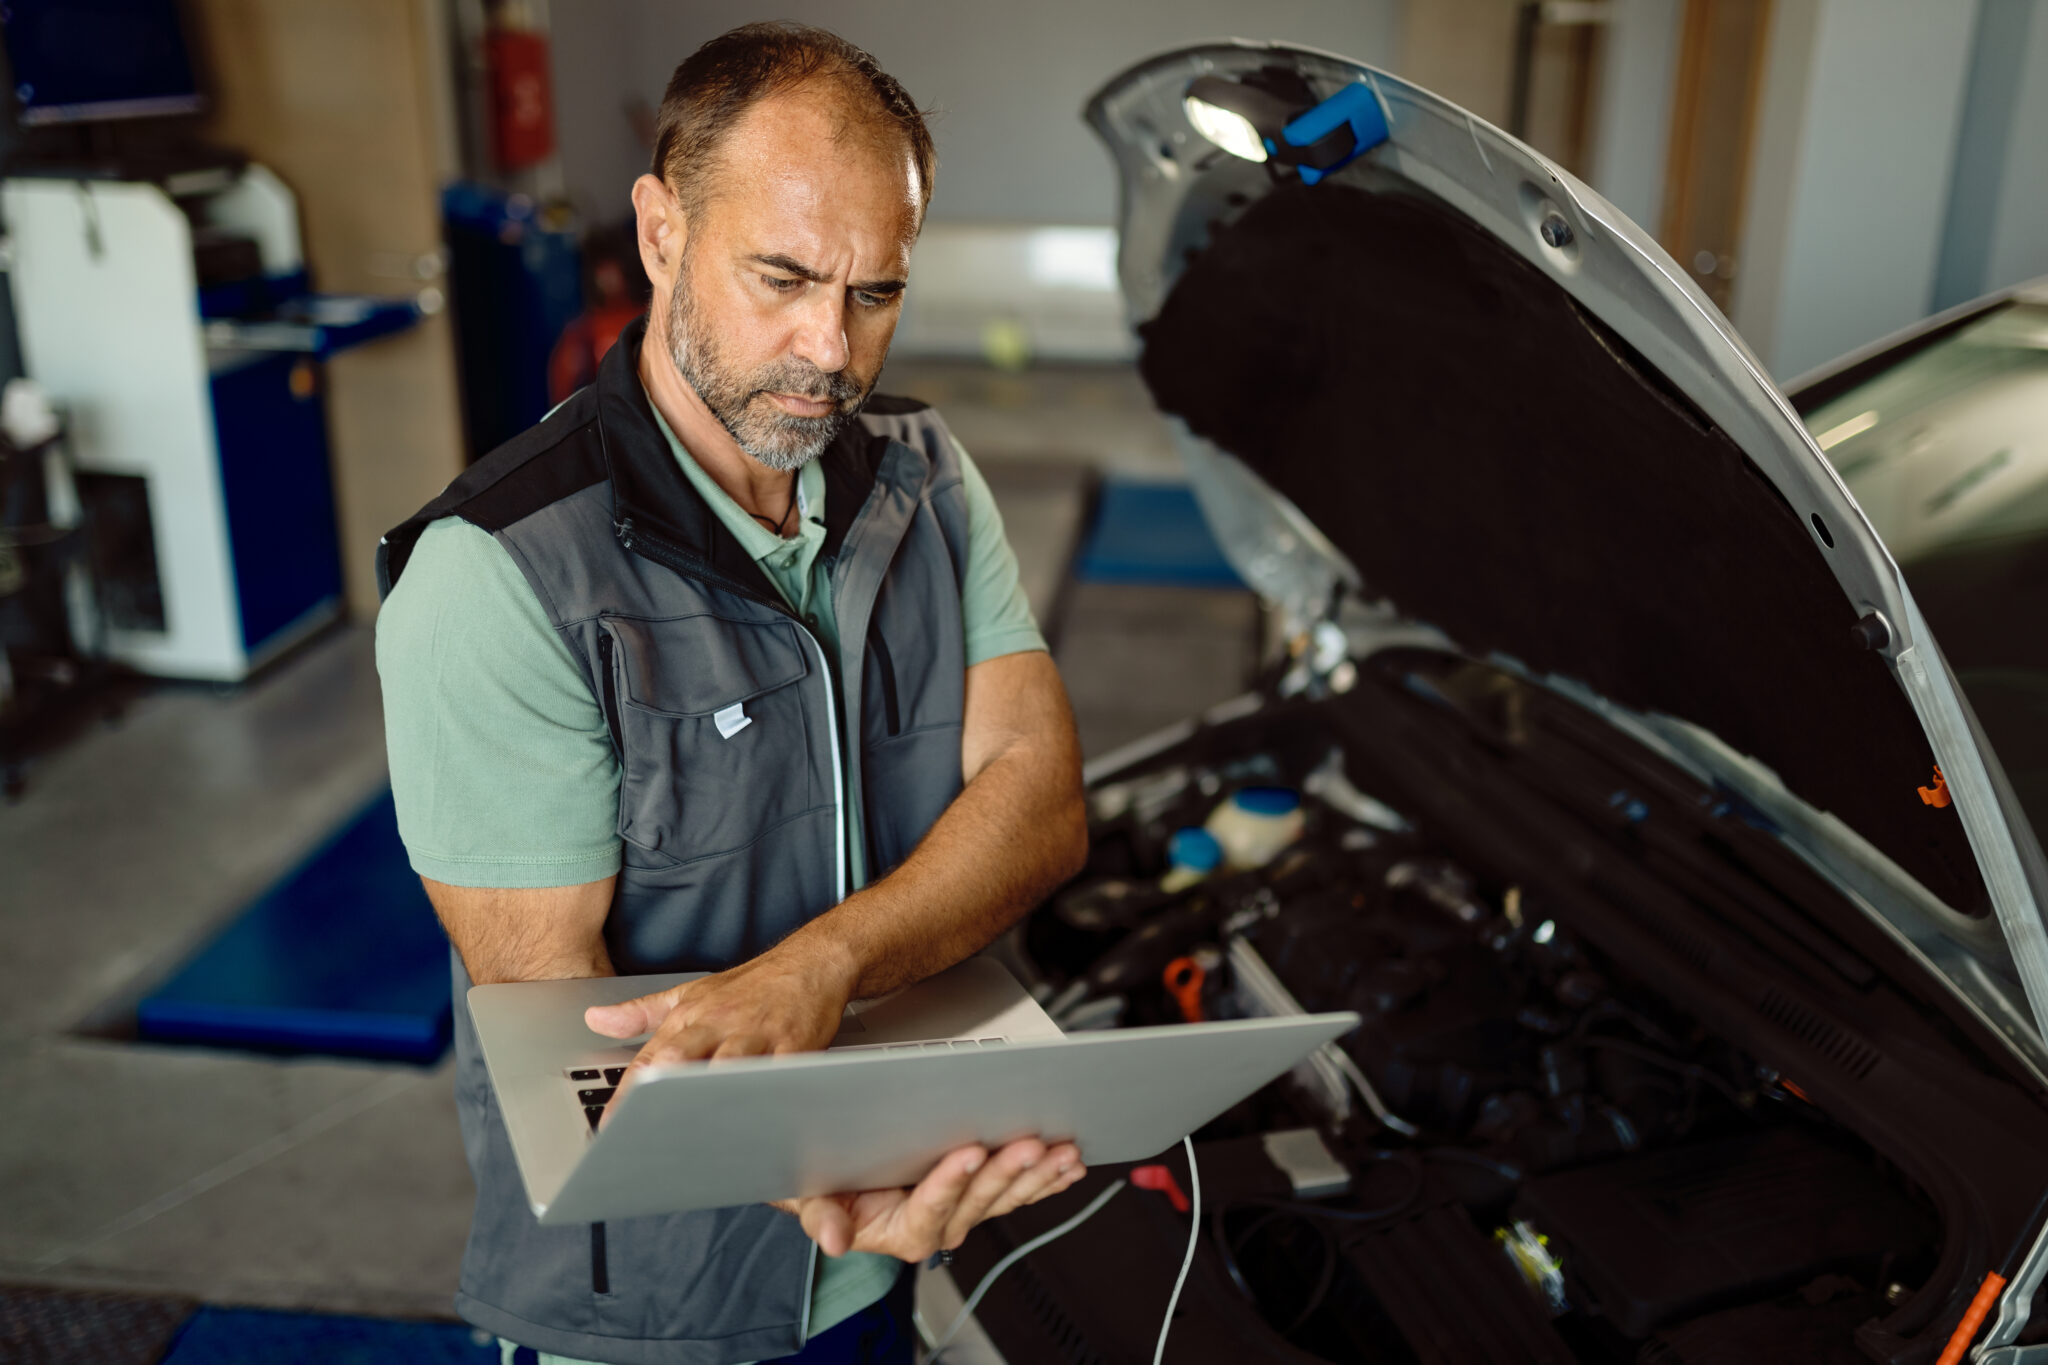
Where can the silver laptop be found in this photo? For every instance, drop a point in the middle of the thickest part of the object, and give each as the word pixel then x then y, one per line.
pixel 966 1056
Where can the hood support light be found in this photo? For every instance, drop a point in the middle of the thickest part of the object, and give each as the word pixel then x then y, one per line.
pixel 1260 125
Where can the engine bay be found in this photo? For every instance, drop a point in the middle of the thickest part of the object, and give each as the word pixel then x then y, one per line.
pixel 1633 1082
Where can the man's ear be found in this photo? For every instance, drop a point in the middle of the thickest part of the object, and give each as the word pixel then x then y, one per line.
pixel 659 230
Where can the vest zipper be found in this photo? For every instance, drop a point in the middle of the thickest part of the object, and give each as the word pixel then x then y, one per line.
pixel 838 772
pixel 690 566
pixel 610 700
pixel 888 666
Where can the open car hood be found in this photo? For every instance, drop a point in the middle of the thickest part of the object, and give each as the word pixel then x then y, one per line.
pixel 1450 377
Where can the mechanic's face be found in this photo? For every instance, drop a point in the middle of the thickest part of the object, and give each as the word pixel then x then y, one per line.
pixel 790 281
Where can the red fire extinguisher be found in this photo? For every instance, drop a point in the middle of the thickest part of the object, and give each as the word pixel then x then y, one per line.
pixel 522 104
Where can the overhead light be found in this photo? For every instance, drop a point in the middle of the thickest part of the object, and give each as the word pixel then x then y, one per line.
pixel 1254 120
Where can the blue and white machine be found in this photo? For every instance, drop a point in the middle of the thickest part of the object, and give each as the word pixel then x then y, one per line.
pixel 170 319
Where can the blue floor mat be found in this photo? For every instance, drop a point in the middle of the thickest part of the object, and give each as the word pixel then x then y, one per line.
pixel 1152 533
pixel 343 956
pixel 248 1336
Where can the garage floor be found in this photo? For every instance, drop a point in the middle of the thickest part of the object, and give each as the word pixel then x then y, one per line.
pixel 340 1186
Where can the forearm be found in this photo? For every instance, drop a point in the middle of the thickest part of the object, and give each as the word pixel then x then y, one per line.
pixel 526 934
pixel 1017 831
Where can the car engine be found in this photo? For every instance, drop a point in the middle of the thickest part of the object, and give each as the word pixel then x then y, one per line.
pixel 1542 1143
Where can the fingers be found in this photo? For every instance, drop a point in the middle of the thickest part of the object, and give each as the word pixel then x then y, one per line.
pixel 746 1045
pixel 675 1042
pixel 921 1222
pixel 685 1042
pixel 748 1010
pixel 1054 1172
pixel 967 1187
pixel 1016 1162
pixel 902 1223
pixel 631 1018
pixel 827 1222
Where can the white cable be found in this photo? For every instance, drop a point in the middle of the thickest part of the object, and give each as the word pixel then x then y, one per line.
pixel 1173 1302
pixel 967 1309
pixel 1194 1234
pixel 1368 1094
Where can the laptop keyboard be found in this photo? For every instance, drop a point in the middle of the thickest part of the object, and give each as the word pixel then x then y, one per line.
pixel 595 1085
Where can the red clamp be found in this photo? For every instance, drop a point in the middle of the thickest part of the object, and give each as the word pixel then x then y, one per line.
pixel 1159 1178
pixel 1936 795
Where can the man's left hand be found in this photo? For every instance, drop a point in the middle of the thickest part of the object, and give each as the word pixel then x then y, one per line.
pixel 969 1186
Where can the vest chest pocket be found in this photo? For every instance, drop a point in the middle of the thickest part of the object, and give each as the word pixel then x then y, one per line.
pixel 714 722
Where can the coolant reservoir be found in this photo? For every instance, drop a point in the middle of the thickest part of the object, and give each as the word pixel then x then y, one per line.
pixel 1255 823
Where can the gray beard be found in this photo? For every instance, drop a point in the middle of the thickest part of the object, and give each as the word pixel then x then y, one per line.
pixel 776 439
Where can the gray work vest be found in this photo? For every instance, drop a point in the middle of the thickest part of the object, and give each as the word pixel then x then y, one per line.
pixel 731 841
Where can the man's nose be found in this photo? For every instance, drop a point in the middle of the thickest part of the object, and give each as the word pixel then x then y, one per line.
pixel 821 335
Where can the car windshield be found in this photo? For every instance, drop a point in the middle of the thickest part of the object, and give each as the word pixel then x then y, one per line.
pixel 1947 452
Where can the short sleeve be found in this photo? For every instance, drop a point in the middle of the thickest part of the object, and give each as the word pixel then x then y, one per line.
pixel 845 1284
pixel 997 613
pixel 501 763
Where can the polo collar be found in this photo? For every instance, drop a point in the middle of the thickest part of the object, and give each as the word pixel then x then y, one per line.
pixel 652 496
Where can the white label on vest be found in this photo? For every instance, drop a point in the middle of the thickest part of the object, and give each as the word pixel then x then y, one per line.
pixel 732 720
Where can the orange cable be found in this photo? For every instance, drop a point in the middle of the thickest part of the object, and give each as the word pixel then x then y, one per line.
pixel 1966 1330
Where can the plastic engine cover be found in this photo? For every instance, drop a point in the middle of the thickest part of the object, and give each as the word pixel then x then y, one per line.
pixel 1673 1233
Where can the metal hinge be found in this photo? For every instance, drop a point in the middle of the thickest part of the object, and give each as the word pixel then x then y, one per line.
pixel 2014 1307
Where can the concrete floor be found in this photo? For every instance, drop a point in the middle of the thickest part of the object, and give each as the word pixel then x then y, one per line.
pixel 340 1186
pixel 222 1176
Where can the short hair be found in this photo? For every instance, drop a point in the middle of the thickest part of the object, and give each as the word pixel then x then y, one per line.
pixel 721 80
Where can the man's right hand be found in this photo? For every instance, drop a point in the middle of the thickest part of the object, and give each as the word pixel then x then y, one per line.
pixel 967 1187
pixel 786 1000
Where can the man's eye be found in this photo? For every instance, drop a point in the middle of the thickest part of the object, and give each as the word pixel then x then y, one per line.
pixel 779 283
pixel 868 300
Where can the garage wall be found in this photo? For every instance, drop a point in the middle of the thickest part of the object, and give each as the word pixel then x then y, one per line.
pixel 2019 238
pixel 1633 136
pixel 590 45
pixel 1996 232
pixel 1007 80
pixel 1856 145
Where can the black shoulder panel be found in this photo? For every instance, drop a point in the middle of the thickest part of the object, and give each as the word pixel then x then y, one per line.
pixel 547 462
pixel 566 465
pixel 892 405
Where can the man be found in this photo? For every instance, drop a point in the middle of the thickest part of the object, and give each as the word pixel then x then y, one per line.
pixel 712 669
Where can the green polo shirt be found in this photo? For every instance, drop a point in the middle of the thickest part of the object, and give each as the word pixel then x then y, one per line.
pixel 502 763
